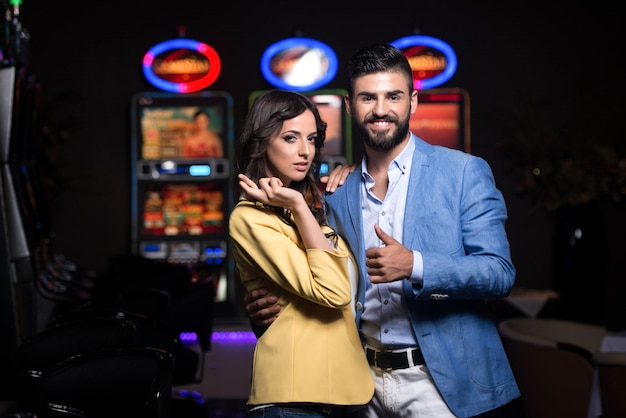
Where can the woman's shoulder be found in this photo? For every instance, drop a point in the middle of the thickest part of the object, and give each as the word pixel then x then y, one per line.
pixel 250 212
pixel 245 207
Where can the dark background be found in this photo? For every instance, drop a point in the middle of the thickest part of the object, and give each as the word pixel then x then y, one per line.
pixel 87 57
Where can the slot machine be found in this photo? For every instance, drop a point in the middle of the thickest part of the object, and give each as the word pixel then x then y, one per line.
pixel 182 145
pixel 181 185
pixel 338 144
pixel 442 117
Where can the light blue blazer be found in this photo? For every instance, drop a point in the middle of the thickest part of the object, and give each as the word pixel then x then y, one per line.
pixel 455 216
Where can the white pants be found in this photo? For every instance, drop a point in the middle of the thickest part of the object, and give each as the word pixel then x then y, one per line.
pixel 406 393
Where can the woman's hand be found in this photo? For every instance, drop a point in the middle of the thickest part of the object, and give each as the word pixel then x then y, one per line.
pixel 271 191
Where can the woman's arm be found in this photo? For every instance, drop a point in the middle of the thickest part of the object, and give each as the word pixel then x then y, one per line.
pixel 272 192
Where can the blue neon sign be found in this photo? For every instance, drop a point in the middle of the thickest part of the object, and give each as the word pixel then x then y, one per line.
pixel 300 64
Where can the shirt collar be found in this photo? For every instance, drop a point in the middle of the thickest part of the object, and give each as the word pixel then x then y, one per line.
pixel 402 161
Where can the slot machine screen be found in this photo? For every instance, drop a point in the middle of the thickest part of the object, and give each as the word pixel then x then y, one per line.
pixel 331 110
pixel 442 118
pixel 185 131
pixel 177 209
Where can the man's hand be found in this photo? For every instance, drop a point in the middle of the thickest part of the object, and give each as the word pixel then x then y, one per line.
pixel 337 177
pixel 389 263
pixel 262 308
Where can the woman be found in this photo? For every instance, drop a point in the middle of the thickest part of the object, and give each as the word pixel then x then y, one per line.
pixel 310 362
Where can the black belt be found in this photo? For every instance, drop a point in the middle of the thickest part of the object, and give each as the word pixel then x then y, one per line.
pixel 336 411
pixel 386 360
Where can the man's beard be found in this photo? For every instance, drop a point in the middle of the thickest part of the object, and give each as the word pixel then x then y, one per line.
pixel 379 141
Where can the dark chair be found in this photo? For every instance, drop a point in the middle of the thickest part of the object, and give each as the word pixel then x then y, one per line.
pixel 129 382
pixel 146 308
pixel 149 302
pixel 552 361
pixel 161 300
pixel 160 319
pixel 55 344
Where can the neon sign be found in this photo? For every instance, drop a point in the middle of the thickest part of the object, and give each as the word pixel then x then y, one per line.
pixel 181 65
pixel 299 64
pixel 433 61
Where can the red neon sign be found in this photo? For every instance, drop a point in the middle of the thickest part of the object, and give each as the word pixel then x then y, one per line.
pixel 181 65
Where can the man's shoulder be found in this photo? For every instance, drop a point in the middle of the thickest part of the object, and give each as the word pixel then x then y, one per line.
pixel 446 155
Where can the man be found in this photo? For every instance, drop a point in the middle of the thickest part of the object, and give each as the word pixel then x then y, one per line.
pixel 427 225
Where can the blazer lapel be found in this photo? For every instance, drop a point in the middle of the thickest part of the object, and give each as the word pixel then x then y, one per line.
pixel 355 214
pixel 417 192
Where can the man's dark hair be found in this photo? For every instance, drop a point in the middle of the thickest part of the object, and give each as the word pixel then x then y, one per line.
pixel 376 59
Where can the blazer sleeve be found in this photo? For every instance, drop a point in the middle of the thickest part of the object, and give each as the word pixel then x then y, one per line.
pixel 265 247
pixel 470 258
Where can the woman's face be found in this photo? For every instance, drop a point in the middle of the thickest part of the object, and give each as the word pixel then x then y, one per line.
pixel 291 149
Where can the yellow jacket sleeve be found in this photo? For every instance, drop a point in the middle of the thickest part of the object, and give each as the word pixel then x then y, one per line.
pixel 265 247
